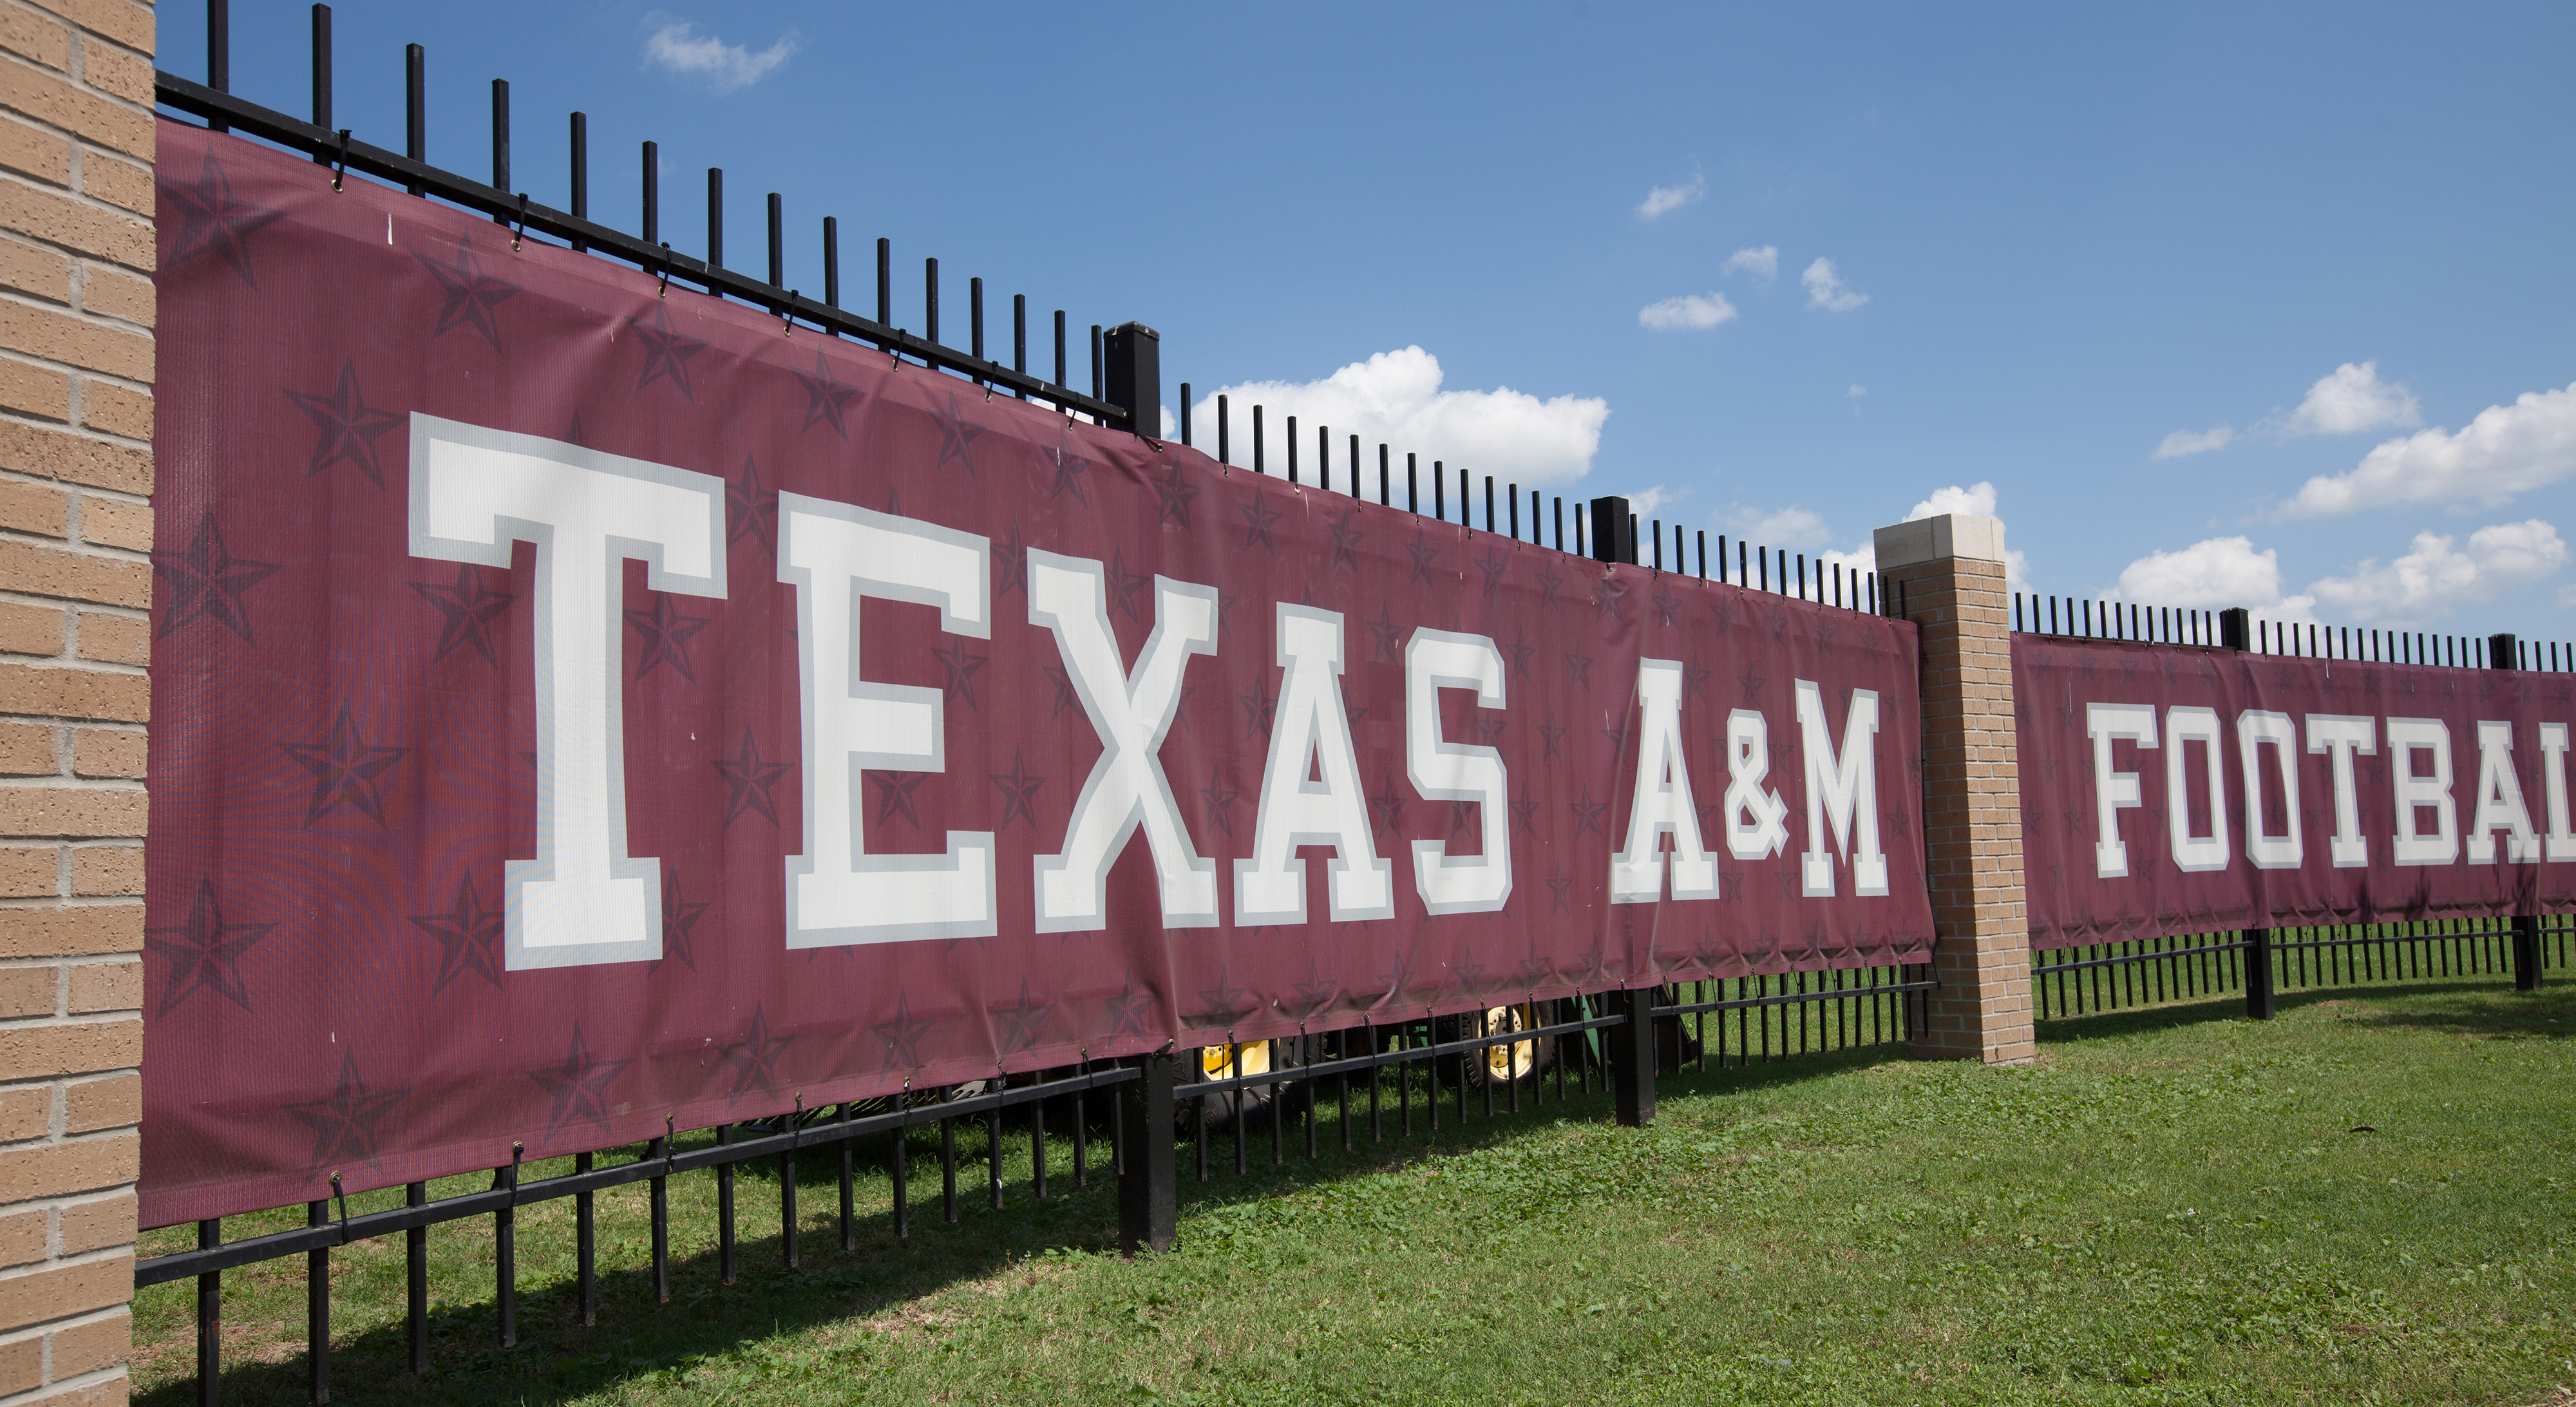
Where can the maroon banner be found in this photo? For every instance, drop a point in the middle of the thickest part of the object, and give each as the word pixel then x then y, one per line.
pixel 2173 789
pixel 577 705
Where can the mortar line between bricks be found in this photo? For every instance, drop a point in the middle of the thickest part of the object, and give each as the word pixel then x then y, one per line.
pixel 87 317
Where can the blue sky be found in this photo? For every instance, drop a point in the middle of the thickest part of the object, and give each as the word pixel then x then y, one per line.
pixel 2059 239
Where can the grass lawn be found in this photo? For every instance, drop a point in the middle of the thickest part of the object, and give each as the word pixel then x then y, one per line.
pixel 2371 1200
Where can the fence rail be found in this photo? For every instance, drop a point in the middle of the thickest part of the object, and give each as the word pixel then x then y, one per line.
pixel 2099 977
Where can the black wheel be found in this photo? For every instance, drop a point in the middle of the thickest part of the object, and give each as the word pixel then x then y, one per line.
pixel 1217 1112
pixel 1499 1064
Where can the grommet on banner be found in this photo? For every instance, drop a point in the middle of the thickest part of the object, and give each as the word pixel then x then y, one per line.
pixel 340 166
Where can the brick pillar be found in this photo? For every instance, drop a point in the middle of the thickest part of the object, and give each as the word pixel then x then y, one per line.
pixel 1950 570
pixel 76 315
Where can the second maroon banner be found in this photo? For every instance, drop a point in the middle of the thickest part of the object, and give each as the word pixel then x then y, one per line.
pixel 2172 789
pixel 580 705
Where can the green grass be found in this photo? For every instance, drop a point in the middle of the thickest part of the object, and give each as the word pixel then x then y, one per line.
pixel 2370 1200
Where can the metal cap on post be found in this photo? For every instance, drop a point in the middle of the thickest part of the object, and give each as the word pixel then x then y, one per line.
pixel 1135 376
pixel 1614 531
pixel 2235 628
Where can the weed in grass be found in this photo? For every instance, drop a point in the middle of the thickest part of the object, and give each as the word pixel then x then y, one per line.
pixel 2367 1201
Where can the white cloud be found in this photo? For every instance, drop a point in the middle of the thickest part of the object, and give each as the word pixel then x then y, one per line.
pixel 1762 263
pixel 2435 577
pixel 1795 527
pixel 1690 311
pixel 1857 391
pixel 1785 527
pixel 676 45
pixel 1825 289
pixel 2213 575
pixel 1646 502
pixel 2351 399
pixel 1663 200
pixel 2182 442
pixel 2507 450
pixel 1396 398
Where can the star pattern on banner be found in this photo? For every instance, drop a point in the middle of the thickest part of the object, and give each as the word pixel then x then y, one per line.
pixel 1392 982
pixel 1069 468
pixel 1019 793
pixel 1694 682
pixel 346 427
pixel 1388 808
pixel 750 780
pixel 666 634
pixel 1218 800
pixel 1317 990
pixel 960 667
pixel 1588 814
pixel 826 398
pixel 1667 606
pixel 469 937
pixel 1224 1004
pixel 1579 665
pixel 751 509
pixel 1492 565
pixel 666 352
pixel 1385 634
pixel 1550 580
pixel 1519 653
pixel 894 795
pixel 1011 564
pixel 211 221
pixel 1462 817
pixel 204 581
pixel 344 1124
pixel 466 610
pixel 579 1086
pixel 1618 738
pixel 1347 539
pixel 957 436
pixel 471 294
pixel 679 920
pixel 901 1037
pixel 1488 729
pixel 1260 707
pixel 754 1058
pixel 1125 587
pixel 1423 552
pixel 1063 682
pixel 1020 1022
pixel 345 768
pixel 1752 683
pixel 1525 812
pixel 1128 1011
pixel 204 953
pixel 1825 631
pixel 1551 735
pixel 1608 602
pixel 1173 495
pixel 1258 516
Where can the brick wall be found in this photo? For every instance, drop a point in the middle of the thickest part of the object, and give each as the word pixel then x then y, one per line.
pixel 1953 584
pixel 76 312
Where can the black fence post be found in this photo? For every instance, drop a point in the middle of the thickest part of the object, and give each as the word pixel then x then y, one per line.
pixel 1135 376
pixel 1614 531
pixel 2236 629
pixel 2505 652
pixel 2259 995
pixel 1632 1057
pixel 1148 1195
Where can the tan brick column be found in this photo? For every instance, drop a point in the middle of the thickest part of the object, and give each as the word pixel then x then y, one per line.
pixel 76 314
pixel 1951 572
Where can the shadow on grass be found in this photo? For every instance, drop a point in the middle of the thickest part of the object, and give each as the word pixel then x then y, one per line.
pixel 2484 1005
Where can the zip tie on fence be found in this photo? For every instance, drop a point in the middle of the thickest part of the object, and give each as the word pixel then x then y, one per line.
pixel 522 230
pixel 340 167
pixel 787 314
pixel 670 1144
pixel 343 1194
pixel 665 290
pixel 796 1125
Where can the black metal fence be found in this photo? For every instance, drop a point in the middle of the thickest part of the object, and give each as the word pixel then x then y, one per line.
pixel 2263 962
pixel 1495 1058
